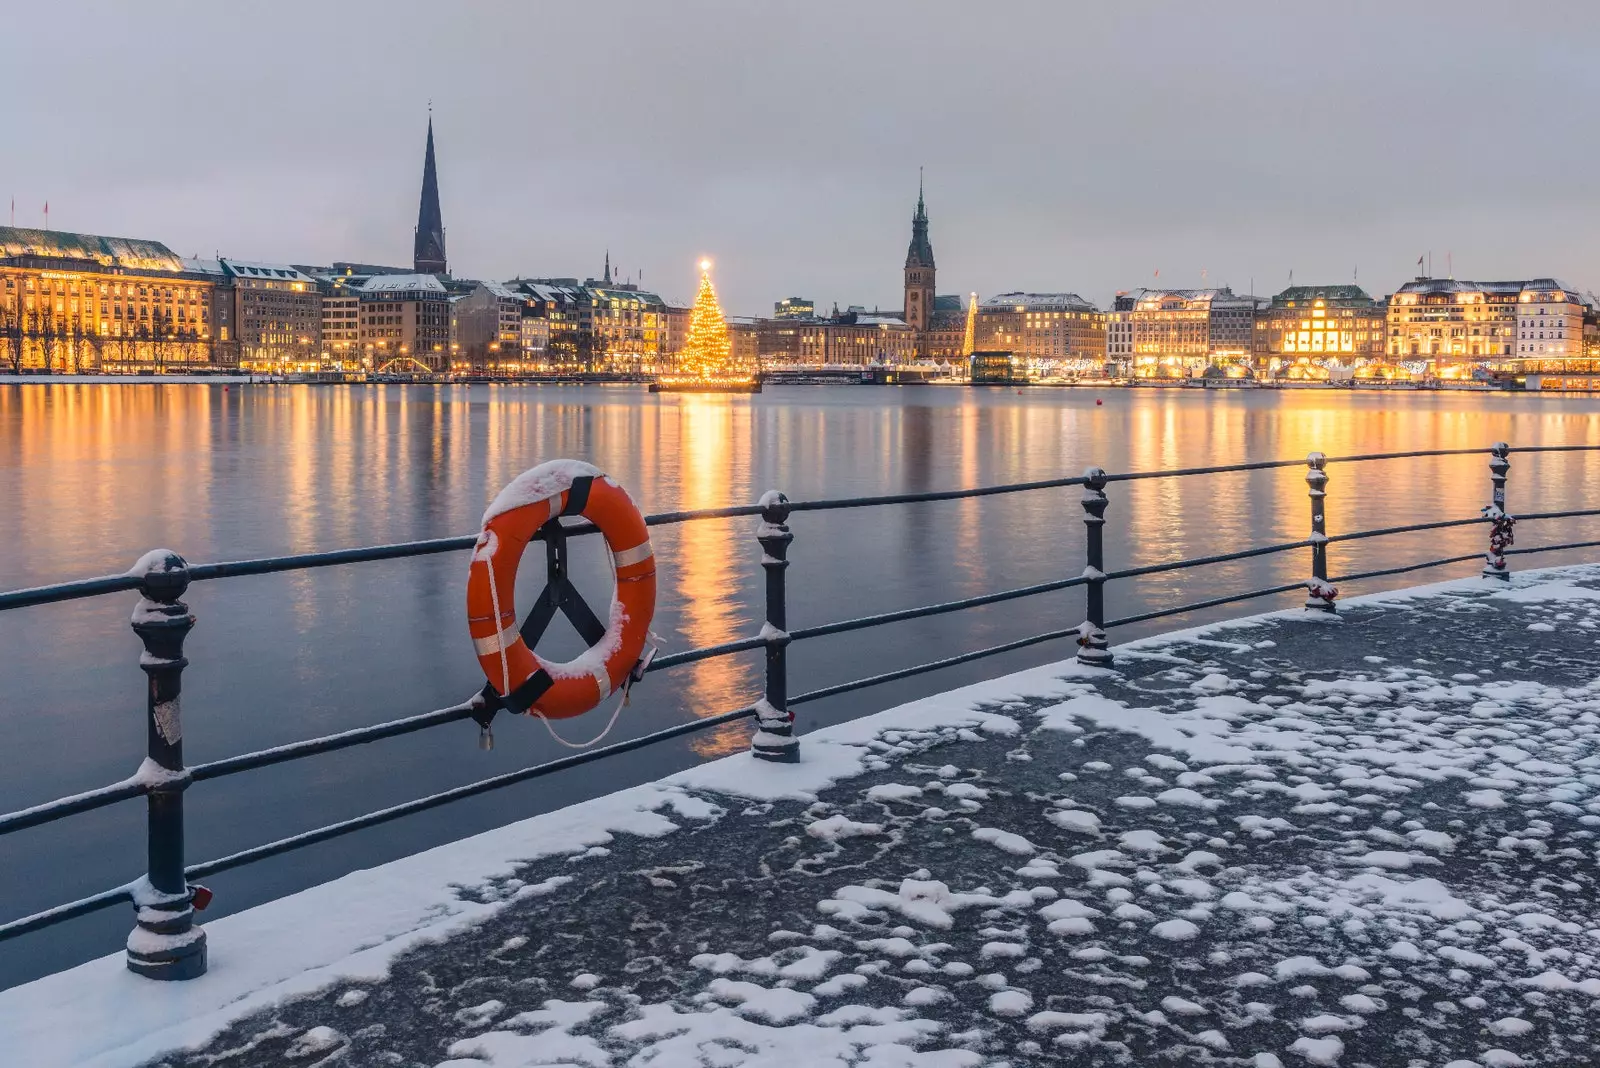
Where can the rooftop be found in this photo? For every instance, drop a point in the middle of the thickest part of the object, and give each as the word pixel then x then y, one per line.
pixel 126 252
pixel 281 272
pixel 1039 302
pixel 1333 294
pixel 392 283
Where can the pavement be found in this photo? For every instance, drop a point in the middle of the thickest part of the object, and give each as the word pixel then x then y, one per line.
pixel 1293 840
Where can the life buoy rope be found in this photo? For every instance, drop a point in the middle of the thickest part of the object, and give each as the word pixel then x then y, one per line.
pixel 521 680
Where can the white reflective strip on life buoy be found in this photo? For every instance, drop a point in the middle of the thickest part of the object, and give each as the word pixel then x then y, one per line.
pixel 495 642
pixel 636 555
pixel 602 680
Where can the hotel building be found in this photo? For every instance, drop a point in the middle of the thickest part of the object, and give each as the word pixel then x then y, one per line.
pixel 1053 334
pixel 856 339
pixel 1318 333
pixel 1179 333
pixel 72 303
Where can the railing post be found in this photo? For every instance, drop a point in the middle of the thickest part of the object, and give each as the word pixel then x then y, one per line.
pixel 1320 593
pixel 165 944
pixel 774 738
pixel 1500 524
pixel 1093 649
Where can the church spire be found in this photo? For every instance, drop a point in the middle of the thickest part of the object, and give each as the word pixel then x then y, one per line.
pixel 920 252
pixel 607 275
pixel 428 251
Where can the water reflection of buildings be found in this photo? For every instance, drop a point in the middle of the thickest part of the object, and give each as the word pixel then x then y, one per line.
pixel 713 448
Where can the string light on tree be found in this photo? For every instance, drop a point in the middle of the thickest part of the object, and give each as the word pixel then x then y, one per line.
pixel 706 362
pixel 707 350
pixel 969 343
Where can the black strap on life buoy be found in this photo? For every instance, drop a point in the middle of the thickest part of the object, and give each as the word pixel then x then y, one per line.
pixel 578 495
pixel 522 698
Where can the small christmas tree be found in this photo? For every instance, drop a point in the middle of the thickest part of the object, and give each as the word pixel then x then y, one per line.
pixel 969 343
pixel 707 351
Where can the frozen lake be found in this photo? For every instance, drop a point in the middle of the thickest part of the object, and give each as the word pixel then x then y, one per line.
pixel 93 475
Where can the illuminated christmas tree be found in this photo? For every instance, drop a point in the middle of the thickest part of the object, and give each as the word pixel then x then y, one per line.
pixel 969 343
pixel 707 351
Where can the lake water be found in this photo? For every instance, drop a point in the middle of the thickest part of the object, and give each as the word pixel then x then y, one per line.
pixel 91 476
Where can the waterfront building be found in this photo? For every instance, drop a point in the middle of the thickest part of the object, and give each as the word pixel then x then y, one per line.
pixel 82 302
pixel 489 330
pixel 997 367
pixel 404 323
pixel 341 324
pixel 1180 333
pixel 675 328
pixel 533 332
pixel 1451 328
pixel 1052 334
pixel 858 338
pixel 947 330
pixel 611 327
pixel 1550 316
pixel 744 345
pixel 1320 333
pixel 778 339
pixel 794 308
pixel 1119 334
pixel 277 316
pixel 428 256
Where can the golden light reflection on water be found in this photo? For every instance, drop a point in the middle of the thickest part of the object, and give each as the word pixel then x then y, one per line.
pixel 703 567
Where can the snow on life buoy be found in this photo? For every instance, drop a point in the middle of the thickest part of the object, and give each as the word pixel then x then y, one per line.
pixel 523 680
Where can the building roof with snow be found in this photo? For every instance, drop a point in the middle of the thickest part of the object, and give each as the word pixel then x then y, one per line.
pixel 125 252
pixel 399 283
pixel 270 272
pixel 1032 302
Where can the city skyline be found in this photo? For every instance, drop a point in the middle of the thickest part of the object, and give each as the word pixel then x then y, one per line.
pixel 1064 150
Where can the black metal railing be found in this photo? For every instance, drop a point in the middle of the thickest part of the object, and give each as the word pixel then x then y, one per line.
pixel 167 945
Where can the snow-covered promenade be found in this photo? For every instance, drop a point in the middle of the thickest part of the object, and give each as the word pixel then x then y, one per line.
pixel 1288 840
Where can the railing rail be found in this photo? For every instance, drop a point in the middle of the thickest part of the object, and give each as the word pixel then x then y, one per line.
pixel 174 948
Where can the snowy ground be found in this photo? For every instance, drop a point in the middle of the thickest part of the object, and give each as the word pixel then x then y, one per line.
pixel 1289 841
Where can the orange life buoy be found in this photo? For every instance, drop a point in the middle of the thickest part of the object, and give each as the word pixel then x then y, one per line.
pixel 523 680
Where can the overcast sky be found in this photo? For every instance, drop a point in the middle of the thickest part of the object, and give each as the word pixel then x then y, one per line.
pixel 1068 146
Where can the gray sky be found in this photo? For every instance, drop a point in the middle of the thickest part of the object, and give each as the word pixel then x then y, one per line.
pixel 1075 146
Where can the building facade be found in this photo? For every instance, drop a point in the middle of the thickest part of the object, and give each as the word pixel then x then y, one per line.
pixel 1550 318
pixel 1119 333
pixel 1180 333
pixel 947 330
pixel 404 323
pixel 489 330
pixel 73 303
pixel 1450 328
pixel 744 344
pixel 857 339
pixel 794 308
pixel 277 316
pixel 341 325
pixel 778 340
pixel 1319 333
pixel 1053 334
pixel 615 328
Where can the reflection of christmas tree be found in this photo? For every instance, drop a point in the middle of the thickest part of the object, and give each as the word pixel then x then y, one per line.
pixel 707 351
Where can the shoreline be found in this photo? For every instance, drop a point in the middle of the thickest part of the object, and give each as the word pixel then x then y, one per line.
pixel 1185 384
